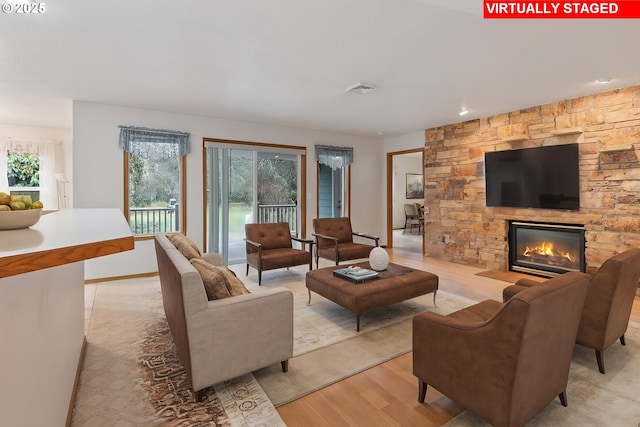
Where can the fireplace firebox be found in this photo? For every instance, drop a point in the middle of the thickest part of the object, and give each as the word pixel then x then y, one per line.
pixel 546 249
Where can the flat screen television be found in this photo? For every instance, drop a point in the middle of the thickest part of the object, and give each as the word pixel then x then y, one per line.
pixel 541 177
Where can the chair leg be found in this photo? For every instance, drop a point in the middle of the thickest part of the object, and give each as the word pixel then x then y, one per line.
pixel 622 341
pixel 422 390
pixel 600 359
pixel 259 277
pixel 285 365
pixel 563 398
pixel 247 270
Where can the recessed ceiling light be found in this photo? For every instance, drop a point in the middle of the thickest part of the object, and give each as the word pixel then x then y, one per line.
pixel 380 133
pixel 603 80
pixel 463 112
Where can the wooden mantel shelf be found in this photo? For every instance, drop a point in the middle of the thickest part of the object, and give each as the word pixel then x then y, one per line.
pixel 514 138
pixel 567 131
pixel 64 237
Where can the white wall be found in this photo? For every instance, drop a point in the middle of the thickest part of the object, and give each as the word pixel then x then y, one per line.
pixel 408 141
pixel 98 171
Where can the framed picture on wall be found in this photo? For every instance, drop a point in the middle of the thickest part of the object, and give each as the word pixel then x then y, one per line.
pixel 415 186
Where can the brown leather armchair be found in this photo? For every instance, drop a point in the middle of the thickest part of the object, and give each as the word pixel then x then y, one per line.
pixel 607 308
pixel 503 361
pixel 334 240
pixel 269 246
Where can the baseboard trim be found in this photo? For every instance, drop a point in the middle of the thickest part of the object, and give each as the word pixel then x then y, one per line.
pixel 74 391
pixel 130 276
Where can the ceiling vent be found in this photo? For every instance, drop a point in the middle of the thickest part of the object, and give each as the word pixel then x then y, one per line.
pixel 361 88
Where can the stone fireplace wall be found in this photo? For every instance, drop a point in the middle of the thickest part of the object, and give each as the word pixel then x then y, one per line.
pixel 607 127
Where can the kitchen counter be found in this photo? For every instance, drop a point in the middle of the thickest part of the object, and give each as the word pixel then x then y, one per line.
pixel 63 237
pixel 42 310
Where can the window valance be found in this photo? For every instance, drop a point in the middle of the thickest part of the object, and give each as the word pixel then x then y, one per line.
pixel 167 144
pixel 334 157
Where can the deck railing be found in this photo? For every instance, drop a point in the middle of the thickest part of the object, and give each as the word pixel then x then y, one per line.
pixel 166 220
pixel 278 213
pixel 154 220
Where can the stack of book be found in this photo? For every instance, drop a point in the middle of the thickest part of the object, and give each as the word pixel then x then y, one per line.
pixel 356 274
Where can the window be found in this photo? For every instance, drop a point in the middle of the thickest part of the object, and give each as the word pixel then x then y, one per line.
pixel 29 167
pixel 155 170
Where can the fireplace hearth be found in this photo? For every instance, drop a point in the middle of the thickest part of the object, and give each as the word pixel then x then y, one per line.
pixel 546 249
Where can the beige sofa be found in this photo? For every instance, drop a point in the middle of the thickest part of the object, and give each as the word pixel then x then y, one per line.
pixel 221 339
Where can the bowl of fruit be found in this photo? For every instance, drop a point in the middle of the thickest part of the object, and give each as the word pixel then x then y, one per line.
pixel 18 211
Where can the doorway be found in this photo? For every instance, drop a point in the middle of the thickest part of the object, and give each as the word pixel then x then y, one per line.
pixel 402 168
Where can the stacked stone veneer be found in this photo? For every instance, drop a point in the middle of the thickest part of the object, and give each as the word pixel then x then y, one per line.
pixel 607 127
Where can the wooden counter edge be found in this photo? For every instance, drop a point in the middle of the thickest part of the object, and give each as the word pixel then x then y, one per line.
pixel 19 264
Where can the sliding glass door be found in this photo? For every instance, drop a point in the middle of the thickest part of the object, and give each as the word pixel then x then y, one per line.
pixel 248 184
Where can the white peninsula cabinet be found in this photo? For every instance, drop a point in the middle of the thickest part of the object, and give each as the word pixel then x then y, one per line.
pixel 42 309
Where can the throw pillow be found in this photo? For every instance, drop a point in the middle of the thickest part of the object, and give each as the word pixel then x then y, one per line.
pixel 234 285
pixel 213 279
pixel 186 246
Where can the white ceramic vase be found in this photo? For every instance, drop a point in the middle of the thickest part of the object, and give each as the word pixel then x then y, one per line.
pixel 378 259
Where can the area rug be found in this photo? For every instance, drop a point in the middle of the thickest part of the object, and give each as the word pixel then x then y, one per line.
pixel 237 402
pixel 594 399
pixel 327 347
pixel 132 376
pixel 323 322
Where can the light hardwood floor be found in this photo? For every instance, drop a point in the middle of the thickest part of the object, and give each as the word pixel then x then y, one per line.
pixel 387 395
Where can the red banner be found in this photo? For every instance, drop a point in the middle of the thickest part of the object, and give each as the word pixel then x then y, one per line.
pixel 623 9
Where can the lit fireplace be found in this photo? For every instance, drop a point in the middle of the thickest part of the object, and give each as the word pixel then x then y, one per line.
pixel 546 249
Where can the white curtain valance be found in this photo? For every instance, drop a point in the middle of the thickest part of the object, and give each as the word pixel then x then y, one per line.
pixel 25 146
pixel 334 157
pixel 167 143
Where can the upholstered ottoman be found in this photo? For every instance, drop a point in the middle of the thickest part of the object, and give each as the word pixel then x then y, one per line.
pixel 395 284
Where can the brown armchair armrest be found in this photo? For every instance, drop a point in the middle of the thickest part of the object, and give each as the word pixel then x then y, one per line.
pixel 366 236
pixel 298 239
pixel 528 283
pixel 257 245
pixel 324 236
pixel 309 242
pixel 522 284
pixel 251 242
pixel 441 321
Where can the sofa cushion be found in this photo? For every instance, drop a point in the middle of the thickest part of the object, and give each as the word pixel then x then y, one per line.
pixel 214 279
pixel 186 246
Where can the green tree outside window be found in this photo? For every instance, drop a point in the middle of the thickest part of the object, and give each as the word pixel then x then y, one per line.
pixel 23 170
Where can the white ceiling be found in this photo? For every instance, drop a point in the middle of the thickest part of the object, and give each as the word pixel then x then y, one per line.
pixel 288 62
